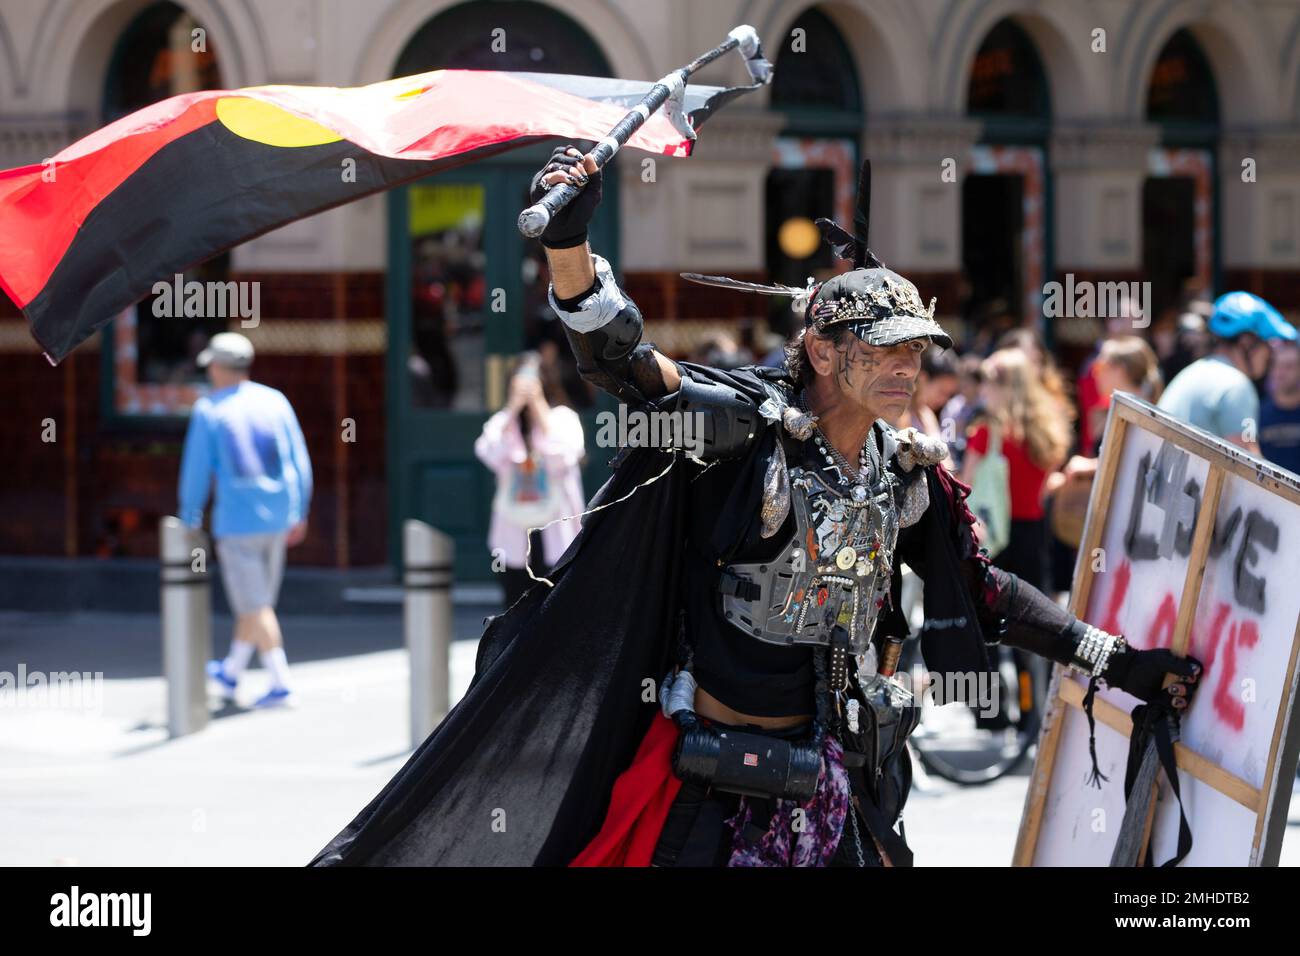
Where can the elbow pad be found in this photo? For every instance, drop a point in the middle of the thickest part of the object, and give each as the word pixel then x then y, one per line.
pixel 725 419
pixel 605 335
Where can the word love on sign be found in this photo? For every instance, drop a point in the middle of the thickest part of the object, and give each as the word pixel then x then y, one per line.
pixel 1190 544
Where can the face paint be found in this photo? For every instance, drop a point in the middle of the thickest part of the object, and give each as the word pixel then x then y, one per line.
pixel 881 379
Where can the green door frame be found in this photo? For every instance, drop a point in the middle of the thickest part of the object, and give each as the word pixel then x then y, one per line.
pixel 419 437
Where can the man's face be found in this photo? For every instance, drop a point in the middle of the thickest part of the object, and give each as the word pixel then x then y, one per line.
pixel 936 391
pixel 1258 353
pixel 878 378
pixel 222 377
pixel 1285 373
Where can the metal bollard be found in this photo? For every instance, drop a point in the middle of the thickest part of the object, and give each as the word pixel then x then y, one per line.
pixel 186 601
pixel 427 573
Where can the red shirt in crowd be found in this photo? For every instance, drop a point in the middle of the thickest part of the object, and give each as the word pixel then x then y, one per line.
pixel 1090 399
pixel 1027 479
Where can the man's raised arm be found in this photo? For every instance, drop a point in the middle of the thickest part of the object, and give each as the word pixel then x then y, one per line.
pixel 603 325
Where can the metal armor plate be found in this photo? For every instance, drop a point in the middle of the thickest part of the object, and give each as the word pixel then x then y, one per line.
pixel 835 569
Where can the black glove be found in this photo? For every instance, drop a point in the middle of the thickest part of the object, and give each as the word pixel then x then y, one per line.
pixel 568 227
pixel 1142 674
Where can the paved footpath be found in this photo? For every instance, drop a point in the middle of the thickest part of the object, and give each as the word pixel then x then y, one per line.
pixel 105 786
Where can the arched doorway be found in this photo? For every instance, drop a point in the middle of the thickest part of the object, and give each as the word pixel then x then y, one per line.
pixel 466 293
pixel 149 367
pixel 1178 196
pixel 1005 200
pixel 814 163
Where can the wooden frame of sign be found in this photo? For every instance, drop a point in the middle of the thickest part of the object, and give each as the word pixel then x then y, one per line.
pixel 1268 801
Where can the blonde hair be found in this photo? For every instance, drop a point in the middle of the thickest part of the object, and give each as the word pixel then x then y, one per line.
pixel 1029 413
pixel 1137 361
pixel 1049 376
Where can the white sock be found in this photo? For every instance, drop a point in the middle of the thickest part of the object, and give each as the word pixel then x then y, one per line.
pixel 278 666
pixel 241 652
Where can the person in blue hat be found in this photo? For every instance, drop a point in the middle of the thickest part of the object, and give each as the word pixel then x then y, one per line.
pixel 1217 393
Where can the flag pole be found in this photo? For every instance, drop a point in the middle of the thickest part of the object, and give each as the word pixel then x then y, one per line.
pixel 534 219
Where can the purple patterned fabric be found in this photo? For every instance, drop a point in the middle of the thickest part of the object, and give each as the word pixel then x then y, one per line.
pixel 822 823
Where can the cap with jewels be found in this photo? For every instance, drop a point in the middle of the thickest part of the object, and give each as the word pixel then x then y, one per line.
pixel 879 306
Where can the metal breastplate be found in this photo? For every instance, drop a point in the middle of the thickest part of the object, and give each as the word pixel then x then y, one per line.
pixel 835 569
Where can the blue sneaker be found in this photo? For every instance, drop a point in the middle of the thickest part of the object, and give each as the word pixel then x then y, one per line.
pixel 275 697
pixel 217 671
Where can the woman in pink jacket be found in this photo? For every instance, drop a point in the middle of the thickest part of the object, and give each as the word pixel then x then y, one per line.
pixel 535 447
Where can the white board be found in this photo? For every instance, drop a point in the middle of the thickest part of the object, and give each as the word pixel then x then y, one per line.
pixel 1138 560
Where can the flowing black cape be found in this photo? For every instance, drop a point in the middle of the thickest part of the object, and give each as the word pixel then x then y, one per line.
pixel 520 771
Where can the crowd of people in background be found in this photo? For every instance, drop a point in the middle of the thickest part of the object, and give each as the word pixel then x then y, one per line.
pixel 1022 434
pixel 1231 367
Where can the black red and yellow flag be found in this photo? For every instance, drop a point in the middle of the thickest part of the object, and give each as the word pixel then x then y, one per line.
pixel 87 233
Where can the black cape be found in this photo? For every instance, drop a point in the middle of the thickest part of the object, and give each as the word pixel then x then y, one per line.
pixel 520 771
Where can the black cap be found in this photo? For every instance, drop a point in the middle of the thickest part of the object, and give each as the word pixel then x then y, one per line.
pixel 879 305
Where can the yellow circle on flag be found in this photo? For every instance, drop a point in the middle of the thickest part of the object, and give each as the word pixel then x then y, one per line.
pixel 267 123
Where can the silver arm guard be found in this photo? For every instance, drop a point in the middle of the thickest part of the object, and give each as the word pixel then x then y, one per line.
pixel 605 331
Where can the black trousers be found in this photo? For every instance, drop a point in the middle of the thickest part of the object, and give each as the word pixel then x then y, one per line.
pixel 515 581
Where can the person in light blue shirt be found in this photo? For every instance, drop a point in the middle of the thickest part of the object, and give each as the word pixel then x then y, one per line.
pixel 1217 393
pixel 244 447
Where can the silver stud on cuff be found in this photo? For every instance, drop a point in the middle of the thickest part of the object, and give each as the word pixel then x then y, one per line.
pixel 1095 650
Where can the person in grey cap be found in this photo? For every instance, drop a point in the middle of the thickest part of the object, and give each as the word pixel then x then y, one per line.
pixel 753 577
pixel 244 443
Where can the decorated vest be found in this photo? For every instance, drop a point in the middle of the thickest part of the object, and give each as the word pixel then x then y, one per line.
pixel 837 566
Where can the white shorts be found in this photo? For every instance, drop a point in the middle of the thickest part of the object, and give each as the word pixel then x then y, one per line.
pixel 251 568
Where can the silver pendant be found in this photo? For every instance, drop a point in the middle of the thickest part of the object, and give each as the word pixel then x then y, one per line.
pixel 776 493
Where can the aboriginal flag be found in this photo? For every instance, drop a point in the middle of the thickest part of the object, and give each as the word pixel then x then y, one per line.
pixel 89 232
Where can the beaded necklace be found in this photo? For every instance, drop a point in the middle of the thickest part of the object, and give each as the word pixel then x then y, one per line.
pixel 850 478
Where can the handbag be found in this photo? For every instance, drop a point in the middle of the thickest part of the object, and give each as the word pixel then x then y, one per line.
pixel 990 497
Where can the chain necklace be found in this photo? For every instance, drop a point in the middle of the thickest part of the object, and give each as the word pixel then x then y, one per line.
pixel 848 476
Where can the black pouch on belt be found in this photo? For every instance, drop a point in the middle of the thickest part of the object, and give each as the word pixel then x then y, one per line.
pixel 878 747
pixel 753 765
